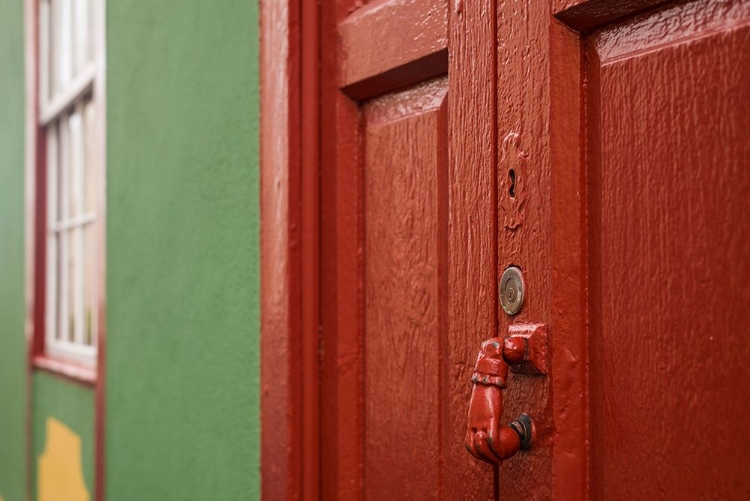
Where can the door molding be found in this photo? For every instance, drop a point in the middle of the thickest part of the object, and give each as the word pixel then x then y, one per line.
pixel 289 248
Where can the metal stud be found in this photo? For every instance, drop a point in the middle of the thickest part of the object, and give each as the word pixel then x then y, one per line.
pixel 511 290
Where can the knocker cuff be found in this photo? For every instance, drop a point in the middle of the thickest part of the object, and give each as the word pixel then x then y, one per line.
pixel 490 371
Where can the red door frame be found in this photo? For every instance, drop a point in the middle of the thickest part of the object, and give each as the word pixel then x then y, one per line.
pixel 289 144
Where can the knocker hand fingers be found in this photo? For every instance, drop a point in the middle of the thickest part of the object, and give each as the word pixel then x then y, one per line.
pixel 487 453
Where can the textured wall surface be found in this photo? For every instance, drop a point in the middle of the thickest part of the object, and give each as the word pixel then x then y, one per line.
pixel 12 344
pixel 183 262
pixel 72 405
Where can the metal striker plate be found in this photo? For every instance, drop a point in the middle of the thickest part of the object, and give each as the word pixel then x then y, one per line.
pixel 511 290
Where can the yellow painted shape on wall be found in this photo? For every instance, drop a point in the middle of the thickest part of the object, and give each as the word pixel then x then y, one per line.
pixel 60 466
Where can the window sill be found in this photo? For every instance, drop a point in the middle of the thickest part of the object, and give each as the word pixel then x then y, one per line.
pixel 73 372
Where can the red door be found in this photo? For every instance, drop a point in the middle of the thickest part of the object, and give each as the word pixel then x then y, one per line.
pixel 600 148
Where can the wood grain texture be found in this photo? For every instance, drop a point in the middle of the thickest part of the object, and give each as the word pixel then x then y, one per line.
pixel 464 194
pixel 289 242
pixel 542 229
pixel 583 15
pixel 571 116
pixel 669 117
pixel 523 107
pixel 405 142
pixel 309 118
pixel 569 291
pixel 667 27
pixel 387 45
pixel 472 232
pixel 280 247
pixel 341 294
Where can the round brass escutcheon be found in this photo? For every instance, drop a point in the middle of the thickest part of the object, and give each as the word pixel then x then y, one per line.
pixel 511 290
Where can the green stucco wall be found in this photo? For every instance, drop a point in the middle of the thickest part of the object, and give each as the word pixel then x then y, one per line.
pixel 12 344
pixel 71 404
pixel 182 250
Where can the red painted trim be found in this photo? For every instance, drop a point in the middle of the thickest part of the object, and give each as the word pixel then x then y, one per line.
pixel 289 249
pixel 310 193
pixel 583 15
pixel 280 398
pixel 40 244
pixel 416 51
pixel 569 274
pixel 342 265
pixel 100 392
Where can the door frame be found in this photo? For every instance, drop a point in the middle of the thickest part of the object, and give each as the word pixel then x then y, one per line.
pixel 289 143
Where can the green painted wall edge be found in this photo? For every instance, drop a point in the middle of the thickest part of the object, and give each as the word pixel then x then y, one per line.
pixel 182 251
pixel 12 308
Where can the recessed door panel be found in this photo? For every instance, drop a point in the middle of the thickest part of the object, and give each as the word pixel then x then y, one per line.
pixel 407 167
pixel 405 156
pixel 669 114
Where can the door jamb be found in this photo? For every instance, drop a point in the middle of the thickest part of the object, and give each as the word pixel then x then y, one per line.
pixel 289 142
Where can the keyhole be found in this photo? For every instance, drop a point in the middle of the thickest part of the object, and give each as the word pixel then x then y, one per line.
pixel 512 176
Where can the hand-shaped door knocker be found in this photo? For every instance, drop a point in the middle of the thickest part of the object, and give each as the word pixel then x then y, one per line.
pixel 486 438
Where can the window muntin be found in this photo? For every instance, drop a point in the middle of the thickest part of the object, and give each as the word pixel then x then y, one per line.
pixel 68 116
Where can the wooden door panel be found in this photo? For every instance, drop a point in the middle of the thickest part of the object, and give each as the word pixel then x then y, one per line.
pixel 405 155
pixel 388 45
pixel 408 151
pixel 582 15
pixel 669 114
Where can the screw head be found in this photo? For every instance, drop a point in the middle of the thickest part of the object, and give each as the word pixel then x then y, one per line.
pixel 511 290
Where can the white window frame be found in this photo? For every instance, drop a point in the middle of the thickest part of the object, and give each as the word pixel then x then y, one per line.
pixel 73 60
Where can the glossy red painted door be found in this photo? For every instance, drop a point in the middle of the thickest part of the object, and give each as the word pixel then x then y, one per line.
pixel 599 146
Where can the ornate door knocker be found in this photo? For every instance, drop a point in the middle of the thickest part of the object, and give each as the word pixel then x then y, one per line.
pixel 486 438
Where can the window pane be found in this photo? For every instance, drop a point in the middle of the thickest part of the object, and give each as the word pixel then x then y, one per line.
pixel 76 234
pixel 60 197
pixel 54 46
pixel 90 284
pixel 52 240
pixel 63 42
pixel 67 48
pixel 45 31
pixel 64 236
pixel 75 127
pixel 90 195
pixel 58 312
pixel 82 30
pixel 75 275
pixel 90 165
